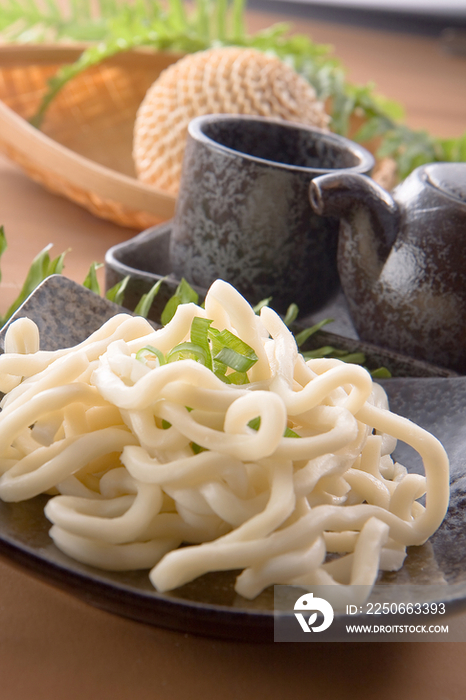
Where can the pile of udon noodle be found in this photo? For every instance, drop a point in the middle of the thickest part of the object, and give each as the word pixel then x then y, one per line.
pixel 140 457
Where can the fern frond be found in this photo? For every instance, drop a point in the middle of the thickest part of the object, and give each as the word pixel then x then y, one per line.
pixel 146 23
pixel 39 20
pixel 114 26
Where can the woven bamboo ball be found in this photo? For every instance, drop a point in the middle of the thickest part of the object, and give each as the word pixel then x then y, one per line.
pixel 218 81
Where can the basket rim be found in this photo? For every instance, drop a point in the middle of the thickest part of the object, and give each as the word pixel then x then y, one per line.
pixel 67 52
pixel 63 162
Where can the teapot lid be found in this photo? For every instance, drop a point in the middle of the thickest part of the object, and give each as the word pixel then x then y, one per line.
pixel 450 178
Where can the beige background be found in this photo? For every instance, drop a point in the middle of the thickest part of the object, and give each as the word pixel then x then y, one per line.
pixel 54 646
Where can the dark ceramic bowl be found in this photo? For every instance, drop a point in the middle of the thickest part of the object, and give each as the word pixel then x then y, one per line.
pixel 66 314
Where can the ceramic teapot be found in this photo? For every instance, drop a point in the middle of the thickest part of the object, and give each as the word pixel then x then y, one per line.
pixel 402 258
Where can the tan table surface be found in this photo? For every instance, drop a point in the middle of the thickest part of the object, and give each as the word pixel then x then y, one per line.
pixel 55 646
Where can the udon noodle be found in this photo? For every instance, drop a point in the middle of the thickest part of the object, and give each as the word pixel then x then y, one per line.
pixel 287 478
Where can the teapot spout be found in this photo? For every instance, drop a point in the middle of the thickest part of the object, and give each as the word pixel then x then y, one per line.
pixel 353 197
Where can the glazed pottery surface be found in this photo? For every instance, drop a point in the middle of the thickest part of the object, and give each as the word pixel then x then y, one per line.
pixel 243 212
pixel 402 259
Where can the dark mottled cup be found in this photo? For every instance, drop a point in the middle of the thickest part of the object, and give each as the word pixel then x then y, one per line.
pixel 243 211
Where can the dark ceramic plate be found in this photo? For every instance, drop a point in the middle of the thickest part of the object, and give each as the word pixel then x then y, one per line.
pixel 145 260
pixel 67 313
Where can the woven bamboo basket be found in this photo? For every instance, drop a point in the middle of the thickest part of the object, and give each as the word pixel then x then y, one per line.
pixel 83 150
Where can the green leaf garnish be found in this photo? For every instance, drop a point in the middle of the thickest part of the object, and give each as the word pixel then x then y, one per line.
pixel 357 358
pixel 146 301
pixel 307 332
pixel 184 294
pixel 3 245
pixel 169 310
pixel 117 292
pixel 291 314
pixel 381 373
pixel 324 351
pixel 261 304
pixel 218 351
pixel 91 281
pixel 41 268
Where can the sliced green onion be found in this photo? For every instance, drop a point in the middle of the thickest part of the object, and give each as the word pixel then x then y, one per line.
pixel 290 433
pixel 198 448
pixel 220 370
pixel 199 336
pixel 187 351
pixel 232 351
pixel 237 378
pixel 148 352
pixel 235 360
pixel 256 422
